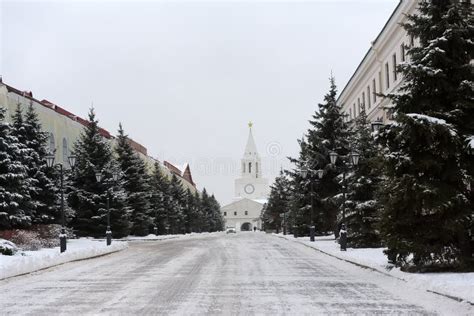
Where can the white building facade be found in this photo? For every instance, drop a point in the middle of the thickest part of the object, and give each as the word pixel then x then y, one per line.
pixel 376 74
pixel 251 191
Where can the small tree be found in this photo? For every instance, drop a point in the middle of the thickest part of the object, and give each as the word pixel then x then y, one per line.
pixel 136 187
pixel 278 203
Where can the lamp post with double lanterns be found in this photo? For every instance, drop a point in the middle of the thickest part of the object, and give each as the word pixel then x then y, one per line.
pixel 50 163
pixel 353 159
pixel 99 177
pixel 304 173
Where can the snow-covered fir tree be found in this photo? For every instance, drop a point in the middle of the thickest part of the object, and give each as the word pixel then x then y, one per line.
pixel 178 201
pixel 88 197
pixel 190 211
pixel 328 132
pixel 216 218
pixel 160 199
pixel 428 208
pixel 363 209
pixel 278 202
pixel 26 156
pixel 198 220
pixel 300 198
pixel 42 189
pixel 136 186
pixel 14 192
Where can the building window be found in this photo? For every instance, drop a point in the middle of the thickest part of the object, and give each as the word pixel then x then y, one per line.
pixel 52 144
pixel 250 167
pixel 256 170
pixel 355 113
pixel 350 113
pixel 374 91
pixel 387 76
pixel 394 65
pixel 235 213
pixel 358 105
pixel 363 100
pixel 369 101
pixel 65 150
pixel 402 52
pixel 225 213
pixel 412 41
pixel 246 213
pixel 380 82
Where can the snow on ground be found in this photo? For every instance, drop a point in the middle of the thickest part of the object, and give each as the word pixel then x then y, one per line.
pixel 77 249
pixel 457 285
pixel 152 237
pixel 226 274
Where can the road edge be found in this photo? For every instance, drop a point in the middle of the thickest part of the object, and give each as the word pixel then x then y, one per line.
pixel 452 297
pixel 58 263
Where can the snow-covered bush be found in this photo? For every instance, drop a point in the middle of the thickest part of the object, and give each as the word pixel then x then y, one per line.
pixel 39 236
pixel 7 248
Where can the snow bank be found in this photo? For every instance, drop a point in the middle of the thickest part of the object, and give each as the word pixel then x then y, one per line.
pixel 77 249
pixel 455 285
pixel 153 237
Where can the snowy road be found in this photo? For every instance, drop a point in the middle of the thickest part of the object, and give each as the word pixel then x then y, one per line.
pixel 246 273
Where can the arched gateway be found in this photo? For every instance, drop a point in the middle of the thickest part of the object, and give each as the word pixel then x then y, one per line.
pixel 246 227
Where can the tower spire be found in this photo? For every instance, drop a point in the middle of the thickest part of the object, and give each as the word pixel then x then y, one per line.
pixel 250 148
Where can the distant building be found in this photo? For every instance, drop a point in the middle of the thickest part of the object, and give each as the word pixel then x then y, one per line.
pixel 64 128
pixel 251 191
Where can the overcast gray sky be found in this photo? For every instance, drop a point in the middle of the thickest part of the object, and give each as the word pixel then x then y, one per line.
pixel 185 77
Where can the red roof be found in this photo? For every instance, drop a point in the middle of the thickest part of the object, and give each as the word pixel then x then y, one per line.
pixel 186 174
pixel 29 95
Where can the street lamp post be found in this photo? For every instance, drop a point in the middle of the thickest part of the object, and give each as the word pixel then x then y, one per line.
pixel 353 159
pixel 98 177
pixel 304 173
pixel 50 164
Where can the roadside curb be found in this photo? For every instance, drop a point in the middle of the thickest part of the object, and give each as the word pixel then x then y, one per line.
pixel 59 263
pixel 452 297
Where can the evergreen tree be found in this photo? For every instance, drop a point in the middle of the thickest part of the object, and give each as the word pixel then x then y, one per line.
pixel 87 196
pixel 428 209
pixel 205 210
pixel 190 211
pixel 135 185
pixel 278 203
pixel 328 132
pixel 362 216
pixel 300 195
pixel 178 201
pixel 160 201
pixel 25 157
pixel 42 190
pixel 197 221
pixel 216 219
pixel 13 180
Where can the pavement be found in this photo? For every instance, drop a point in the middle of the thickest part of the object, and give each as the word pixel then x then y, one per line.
pixel 236 274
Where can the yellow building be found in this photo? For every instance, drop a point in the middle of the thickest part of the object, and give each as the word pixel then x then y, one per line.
pixel 64 128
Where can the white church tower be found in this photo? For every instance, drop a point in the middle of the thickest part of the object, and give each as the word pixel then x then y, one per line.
pixel 251 185
pixel 251 191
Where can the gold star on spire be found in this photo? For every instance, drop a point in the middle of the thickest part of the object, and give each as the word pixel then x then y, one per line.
pixel 250 124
